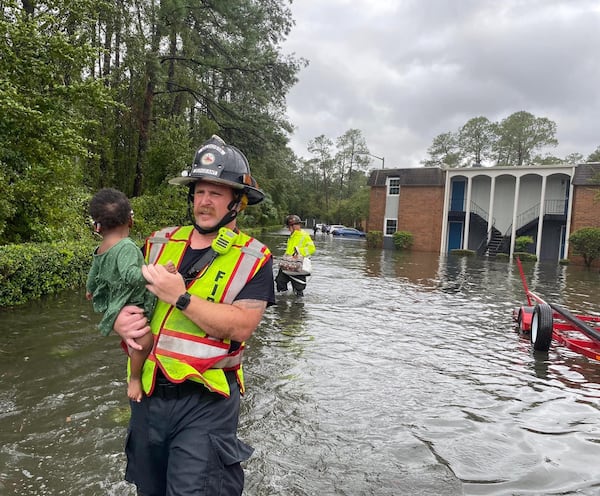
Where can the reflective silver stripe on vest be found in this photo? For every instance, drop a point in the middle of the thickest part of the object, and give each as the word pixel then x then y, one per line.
pixel 250 254
pixel 229 362
pixel 190 348
pixel 157 241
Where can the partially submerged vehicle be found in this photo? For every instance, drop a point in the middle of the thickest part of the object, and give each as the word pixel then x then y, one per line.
pixel 547 321
pixel 348 232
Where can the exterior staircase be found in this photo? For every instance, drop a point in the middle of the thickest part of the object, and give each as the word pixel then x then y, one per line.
pixel 495 243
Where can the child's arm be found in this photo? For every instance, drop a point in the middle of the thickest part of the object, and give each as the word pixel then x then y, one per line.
pixel 90 285
pixel 129 263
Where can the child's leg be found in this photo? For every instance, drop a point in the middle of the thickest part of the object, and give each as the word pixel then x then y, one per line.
pixel 134 388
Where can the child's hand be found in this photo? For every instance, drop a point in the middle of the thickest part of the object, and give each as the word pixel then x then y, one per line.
pixel 88 295
pixel 171 267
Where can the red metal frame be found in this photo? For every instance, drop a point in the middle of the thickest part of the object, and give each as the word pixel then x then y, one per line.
pixel 580 333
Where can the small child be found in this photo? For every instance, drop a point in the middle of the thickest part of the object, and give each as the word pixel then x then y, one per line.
pixel 115 278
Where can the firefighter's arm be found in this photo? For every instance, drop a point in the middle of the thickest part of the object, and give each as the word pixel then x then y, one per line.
pixel 235 321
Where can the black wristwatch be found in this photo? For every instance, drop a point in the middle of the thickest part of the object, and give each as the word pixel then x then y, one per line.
pixel 183 301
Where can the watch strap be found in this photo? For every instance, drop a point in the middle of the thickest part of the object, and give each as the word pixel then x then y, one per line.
pixel 183 301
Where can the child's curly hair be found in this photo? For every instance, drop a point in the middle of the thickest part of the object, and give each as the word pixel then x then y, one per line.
pixel 110 208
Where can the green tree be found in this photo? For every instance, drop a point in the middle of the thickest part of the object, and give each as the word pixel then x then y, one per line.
pixel 547 160
pixel 206 67
pixel 321 148
pixel 119 92
pixel 574 158
pixel 444 151
pixel 475 140
pixel 520 134
pixel 47 116
pixel 594 156
pixel 586 243
pixel 352 156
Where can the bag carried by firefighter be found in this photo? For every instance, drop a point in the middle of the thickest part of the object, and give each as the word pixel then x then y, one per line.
pixel 298 265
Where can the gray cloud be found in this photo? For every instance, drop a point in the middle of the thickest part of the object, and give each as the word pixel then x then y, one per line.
pixel 405 71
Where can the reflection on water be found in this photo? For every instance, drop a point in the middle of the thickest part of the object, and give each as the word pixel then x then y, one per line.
pixel 397 374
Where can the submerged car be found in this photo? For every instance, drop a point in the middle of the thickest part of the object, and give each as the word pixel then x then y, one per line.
pixel 334 227
pixel 348 232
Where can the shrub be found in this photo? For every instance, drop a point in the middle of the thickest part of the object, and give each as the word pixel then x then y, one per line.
pixel 525 256
pixel 522 243
pixel 153 212
pixel 586 243
pixel 462 253
pixel 375 239
pixel 403 240
pixel 31 270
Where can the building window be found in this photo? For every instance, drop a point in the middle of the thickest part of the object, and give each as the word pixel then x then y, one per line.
pixel 393 186
pixel 391 226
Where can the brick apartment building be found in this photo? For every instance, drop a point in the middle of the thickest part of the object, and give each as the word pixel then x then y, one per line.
pixel 486 208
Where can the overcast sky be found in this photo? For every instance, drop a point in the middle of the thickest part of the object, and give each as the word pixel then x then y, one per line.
pixel 405 71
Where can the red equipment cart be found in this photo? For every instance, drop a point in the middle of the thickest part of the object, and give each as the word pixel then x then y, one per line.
pixel 547 321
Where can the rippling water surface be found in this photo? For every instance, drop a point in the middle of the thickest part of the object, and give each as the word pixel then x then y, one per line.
pixel 396 374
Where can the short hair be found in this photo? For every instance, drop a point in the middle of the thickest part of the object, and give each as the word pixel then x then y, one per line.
pixel 110 208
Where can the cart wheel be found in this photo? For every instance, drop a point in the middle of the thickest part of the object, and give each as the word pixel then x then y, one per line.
pixel 520 322
pixel 541 327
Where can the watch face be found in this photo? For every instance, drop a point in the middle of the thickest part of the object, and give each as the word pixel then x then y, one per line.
pixel 183 301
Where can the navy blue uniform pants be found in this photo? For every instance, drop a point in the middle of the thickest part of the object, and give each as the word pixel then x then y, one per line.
pixel 182 441
pixel 282 280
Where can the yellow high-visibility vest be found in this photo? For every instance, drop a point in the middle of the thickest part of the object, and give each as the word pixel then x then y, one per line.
pixel 181 348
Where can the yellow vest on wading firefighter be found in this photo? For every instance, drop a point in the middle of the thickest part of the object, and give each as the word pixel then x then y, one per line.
pixel 183 350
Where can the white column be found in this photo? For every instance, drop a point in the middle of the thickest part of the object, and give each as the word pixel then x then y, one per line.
pixel 569 212
pixel 538 244
pixel 444 240
pixel 467 214
pixel 491 207
pixel 514 219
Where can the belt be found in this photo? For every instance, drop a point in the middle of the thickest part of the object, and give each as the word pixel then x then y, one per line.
pixel 166 389
pixel 169 390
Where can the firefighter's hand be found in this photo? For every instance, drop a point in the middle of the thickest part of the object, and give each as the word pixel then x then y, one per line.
pixel 130 324
pixel 167 286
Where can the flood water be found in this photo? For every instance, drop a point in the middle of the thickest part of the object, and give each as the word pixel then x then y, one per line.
pixel 396 374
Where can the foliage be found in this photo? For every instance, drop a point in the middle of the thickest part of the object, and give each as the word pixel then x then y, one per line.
pixel 594 156
pixel 323 165
pixel 352 156
pixel 375 239
pixel 30 270
pixel 169 153
pixel 525 256
pixel 331 186
pixel 574 158
pixel 522 243
pixel 46 117
pixel 444 151
pixel 511 141
pixel 586 243
pixel 97 94
pixel 475 140
pixel 403 240
pixel 152 212
pixel 462 253
pixel 216 65
pixel 520 134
